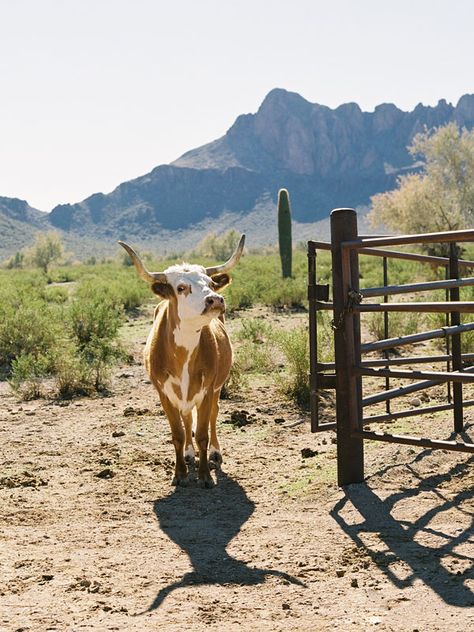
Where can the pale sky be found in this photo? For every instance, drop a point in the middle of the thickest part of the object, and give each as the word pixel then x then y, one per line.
pixel 96 92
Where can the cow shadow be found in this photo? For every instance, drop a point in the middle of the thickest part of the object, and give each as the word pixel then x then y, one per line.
pixel 203 523
pixel 401 537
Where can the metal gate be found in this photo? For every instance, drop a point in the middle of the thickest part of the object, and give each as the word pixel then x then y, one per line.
pixel 346 374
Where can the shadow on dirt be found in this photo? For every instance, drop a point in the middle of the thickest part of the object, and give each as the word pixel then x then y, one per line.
pixel 401 537
pixel 202 523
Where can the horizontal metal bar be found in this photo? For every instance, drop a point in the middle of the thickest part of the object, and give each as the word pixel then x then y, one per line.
pixel 396 254
pixel 323 427
pixel 422 238
pixel 416 441
pixel 324 305
pixel 399 391
pixel 320 245
pixel 416 287
pixel 412 256
pixel 413 412
pixel 330 366
pixel 390 343
pixel 462 307
pixel 326 380
pixel 436 376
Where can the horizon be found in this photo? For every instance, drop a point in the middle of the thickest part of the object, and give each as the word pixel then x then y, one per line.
pixel 96 94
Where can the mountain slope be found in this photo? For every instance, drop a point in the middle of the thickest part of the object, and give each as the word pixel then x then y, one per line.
pixel 326 157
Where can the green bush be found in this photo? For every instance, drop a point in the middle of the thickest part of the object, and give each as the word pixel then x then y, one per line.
pixel 27 374
pixel 46 332
pixel 295 347
pixel 27 327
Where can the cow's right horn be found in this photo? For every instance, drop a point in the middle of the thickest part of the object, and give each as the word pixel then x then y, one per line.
pixel 150 277
pixel 228 265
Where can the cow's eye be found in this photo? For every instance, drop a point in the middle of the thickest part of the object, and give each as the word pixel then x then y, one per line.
pixel 181 288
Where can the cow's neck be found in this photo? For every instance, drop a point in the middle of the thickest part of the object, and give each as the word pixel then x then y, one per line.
pixel 186 334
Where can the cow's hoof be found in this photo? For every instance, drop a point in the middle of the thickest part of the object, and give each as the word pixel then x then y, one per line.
pixel 180 481
pixel 215 460
pixel 190 461
pixel 205 483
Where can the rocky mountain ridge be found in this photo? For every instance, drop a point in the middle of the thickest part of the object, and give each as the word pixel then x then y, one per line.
pixel 325 157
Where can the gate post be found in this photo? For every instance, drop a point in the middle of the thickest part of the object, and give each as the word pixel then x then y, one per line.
pixel 345 277
pixel 454 296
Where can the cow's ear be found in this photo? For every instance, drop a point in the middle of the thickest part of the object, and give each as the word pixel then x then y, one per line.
pixel 220 281
pixel 162 289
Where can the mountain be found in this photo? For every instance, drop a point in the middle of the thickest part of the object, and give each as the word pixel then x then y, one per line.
pixel 18 224
pixel 325 157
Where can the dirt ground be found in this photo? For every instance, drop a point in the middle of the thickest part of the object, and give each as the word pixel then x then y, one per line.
pixel 93 536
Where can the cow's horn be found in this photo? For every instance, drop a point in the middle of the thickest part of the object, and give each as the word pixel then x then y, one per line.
pixel 150 277
pixel 233 261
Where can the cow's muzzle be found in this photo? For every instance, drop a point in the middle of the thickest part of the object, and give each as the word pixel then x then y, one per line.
pixel 214 303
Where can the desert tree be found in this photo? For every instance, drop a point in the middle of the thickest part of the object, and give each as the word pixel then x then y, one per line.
pixel 441 196
pixel 46 249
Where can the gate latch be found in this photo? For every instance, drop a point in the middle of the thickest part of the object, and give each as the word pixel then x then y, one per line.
pixel 318 292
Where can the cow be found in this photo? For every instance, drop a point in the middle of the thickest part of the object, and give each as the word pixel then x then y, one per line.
pixel 188 357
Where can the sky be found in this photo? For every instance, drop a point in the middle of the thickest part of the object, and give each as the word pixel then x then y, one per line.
pixel 97 92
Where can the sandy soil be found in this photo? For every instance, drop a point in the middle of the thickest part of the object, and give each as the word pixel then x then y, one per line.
pixel 93 537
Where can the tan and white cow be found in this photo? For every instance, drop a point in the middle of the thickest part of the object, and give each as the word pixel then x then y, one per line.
pixel 188 356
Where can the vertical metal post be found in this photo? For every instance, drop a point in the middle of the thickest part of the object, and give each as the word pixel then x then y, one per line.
pixel 313 338
pixel 385 330
pixel 345 277
pixel 448 344
pixel 456 341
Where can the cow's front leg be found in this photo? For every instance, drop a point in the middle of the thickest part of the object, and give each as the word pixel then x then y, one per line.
pixel 202 440
pixel 189 452
pixel 177 433
pixel 215 456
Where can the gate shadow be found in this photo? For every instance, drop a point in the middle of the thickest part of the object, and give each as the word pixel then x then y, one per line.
pixel 202 523
pixel 399 536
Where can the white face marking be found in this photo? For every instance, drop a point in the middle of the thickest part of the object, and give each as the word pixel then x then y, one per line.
pixel 191 286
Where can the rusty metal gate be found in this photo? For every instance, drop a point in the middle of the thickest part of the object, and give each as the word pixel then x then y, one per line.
pixel 346 374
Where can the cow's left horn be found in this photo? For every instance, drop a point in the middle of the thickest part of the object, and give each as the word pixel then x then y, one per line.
pixel 150 277
pixel 228 265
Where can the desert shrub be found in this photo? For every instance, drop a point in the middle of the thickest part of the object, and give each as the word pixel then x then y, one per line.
pixel 255 353
pixel 27 374
pixel 79 373
pixel 236 382
pixel 27 327
pixel 44 334
pixel 219 247
pixel 294 383
pixel 257 358
pixel 119 287
pixel 288 293
pixel 256 330
pixel 94 318
pixel 399 324
pixel 56 294
pixel 94 321
pixel 46 249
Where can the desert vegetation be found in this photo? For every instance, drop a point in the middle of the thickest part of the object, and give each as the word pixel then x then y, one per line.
pixel 61 325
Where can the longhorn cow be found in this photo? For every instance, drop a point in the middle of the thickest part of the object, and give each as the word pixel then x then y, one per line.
pixel 188 356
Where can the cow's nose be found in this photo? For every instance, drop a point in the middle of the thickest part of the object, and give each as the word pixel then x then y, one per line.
pixel 214 301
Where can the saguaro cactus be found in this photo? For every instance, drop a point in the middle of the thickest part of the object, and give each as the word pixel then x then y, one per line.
pixel 284 232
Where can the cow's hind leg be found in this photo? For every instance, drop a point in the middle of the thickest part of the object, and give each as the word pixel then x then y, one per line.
pixel 202 440
pixel 178 435
pixel 215 456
